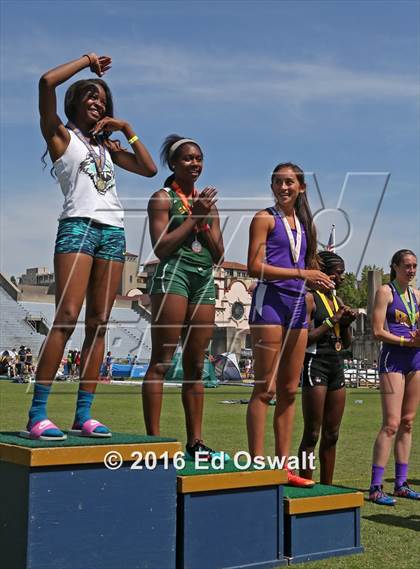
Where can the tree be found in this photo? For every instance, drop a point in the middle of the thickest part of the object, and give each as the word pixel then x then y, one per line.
pixel 349 292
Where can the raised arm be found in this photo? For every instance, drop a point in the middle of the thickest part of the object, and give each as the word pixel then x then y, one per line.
pixel 164 242
pixel 261 226
pixel 139 162
pixel 53 130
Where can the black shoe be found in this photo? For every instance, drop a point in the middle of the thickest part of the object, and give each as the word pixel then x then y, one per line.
pixel 206 453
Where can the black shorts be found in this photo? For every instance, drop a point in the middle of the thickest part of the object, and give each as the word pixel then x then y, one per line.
pixel 323 370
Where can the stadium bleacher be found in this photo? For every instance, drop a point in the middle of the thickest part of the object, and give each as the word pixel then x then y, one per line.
pixel 15 330
pixel 128 332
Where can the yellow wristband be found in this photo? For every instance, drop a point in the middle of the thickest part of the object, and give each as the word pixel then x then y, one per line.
pixel 402 340
pixel 133 139
pixel 328 322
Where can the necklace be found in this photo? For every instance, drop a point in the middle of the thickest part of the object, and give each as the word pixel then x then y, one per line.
pixel 100 182
pixel 410 306
pixel 338 344
pixel 195 245
pixel 294 246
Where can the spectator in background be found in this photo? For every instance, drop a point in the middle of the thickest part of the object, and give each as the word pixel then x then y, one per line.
pixel 29 361
pixel 69 362
pixel 77 362
pixel 73 363
pixel 20 367
pixel 108 365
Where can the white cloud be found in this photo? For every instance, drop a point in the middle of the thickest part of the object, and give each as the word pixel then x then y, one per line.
pixel 247 77
pixel 219 76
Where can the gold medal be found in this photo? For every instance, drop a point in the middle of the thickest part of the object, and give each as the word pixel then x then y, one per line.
pixel 100 184
pixel 338 346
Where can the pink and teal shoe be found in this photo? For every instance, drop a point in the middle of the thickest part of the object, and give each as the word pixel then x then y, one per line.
pixel 90 428
pixel 44 430
pixel 378 496
pixel 404 491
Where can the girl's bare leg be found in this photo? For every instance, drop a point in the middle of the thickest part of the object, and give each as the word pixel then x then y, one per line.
pixel 168 316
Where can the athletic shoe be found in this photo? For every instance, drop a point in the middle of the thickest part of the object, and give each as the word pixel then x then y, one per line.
pixel 206 453
pixel 404 491
pixel 378 496
pixel 295 480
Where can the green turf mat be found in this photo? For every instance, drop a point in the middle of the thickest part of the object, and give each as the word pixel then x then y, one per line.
pixel 317 490
pixel 12 438
pixel 229 466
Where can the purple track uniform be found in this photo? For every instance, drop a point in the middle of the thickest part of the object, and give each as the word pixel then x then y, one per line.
pixel 280 302
pixel 393 358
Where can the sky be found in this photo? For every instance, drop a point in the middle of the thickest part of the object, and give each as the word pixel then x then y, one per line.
pixel 330 85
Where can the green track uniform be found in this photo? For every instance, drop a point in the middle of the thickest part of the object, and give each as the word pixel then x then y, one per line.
pixel 185 272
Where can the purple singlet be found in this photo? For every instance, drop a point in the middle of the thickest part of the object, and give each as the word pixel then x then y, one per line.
pixel 396 315
pixel 280 302
pixel 278 253
pixel 393 358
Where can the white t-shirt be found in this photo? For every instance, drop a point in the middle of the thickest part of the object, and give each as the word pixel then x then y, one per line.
pixel 78 178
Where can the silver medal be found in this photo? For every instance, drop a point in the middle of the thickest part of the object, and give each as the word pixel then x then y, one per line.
pixel 196 246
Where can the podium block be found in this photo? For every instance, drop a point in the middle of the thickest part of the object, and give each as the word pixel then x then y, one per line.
pixel 320 522
pixel 61 507
pixel 230 518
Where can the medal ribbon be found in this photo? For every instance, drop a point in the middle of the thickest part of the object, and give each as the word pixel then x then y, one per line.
pixel 294 247
pixel 330 311
pixel 99 160
pixel 410 306
pixel 177 189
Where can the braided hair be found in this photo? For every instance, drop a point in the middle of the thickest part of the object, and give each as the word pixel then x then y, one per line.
pixel 328 260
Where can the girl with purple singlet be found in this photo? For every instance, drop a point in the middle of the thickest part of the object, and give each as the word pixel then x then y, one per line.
pixel 395 323
pixel 282 254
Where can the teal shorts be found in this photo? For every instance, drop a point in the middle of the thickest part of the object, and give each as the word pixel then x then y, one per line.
pixel 175 277
pixel 83 235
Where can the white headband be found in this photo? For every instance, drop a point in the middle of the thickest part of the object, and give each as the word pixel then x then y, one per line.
pixel 178 143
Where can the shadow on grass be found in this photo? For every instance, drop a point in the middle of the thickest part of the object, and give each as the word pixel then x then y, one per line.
pixel 411 522
pixel 410 480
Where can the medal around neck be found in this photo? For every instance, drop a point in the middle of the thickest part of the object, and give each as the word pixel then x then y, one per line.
pixel 99 161
pixel 294 247
pixel 410 306
pixel 196 246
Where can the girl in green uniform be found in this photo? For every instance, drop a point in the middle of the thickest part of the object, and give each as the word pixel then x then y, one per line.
pixel 186 237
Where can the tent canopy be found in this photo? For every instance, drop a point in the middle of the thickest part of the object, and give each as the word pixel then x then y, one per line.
pixel 176 373
pixel 226 367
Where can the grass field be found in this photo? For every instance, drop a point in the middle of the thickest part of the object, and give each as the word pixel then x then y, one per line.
pixel 389 535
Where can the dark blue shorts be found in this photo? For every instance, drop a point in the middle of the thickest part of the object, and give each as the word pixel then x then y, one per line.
pixel 397 359
pixel 82 235
pixel 272 305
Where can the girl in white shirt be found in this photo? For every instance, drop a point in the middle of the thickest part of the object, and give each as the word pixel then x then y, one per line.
pixel 89 253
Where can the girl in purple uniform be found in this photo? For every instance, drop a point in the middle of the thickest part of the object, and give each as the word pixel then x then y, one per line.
pixel 282 254
pixel 396 324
